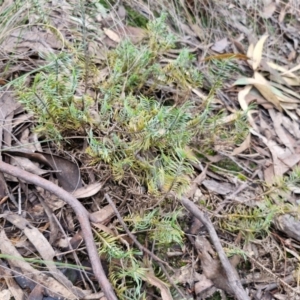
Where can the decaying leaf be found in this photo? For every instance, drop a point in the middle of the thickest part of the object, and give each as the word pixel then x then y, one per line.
pixel 14 290
pixel 289 225
pixel 112 35
pixel 244 146
pixel 164 289
pixel 45 250
pixel 15 260
pixel 212 268
pixel 6 295
pixel 103 215
pixel 269 10
pixel 221 189
pixel 257 52
pixel 88 191
pixel 283 159
pixel 220 45
pixel 202 285
pixel 263 87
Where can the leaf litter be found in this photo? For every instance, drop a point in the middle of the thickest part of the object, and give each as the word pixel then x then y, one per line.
pixel 267 92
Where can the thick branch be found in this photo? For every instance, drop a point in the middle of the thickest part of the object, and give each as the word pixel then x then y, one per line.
pixel 81 214
pixel 233 280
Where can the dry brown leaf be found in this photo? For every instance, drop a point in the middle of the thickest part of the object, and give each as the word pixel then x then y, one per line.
pixel 53 286
pixel 292 81
pixel 197 181
pixel 241 97
pixel 244 146
pixel 257 52
pixel 185 274
pixel 277 121
pixel 278 68
pixel 277 88
pixel 52 201
pixel 88 191
pixel 22 40
pixel 284 80
pixel 164 290
pixel 27 165
pixel 292 70
pixel 274 74
pixel 223 188
pixel 265 89
pixel 269 92
pixel 239 46
pixel 282 13
pixel 102 215
pixel 283 159
pixel 254 95
pixel 122 13
pixel 199 94
pixel 135 34
pixel 268 10
pixel 112 35
pixel 250 51
pixel 202 284
pixel 292 55
pixel 291 126
pixel 8 105
pixel 288 76
pixel 244 105
pixel 68 172
pixel 289 224
pixel 96 51
pixel 6 295
pixel 212 268
pixel 269 175
pixel 220 45
pixel 43 247
pixel 16 292
pixel 227 119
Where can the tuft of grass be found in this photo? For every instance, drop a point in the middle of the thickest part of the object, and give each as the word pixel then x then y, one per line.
pixel 134 127
pixel 127 270
pixel 251 222
pixel 146 137
pixel 163 229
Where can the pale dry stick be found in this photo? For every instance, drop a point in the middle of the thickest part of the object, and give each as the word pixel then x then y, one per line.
pixel 233 280
pixel 75 256
pixel 82 215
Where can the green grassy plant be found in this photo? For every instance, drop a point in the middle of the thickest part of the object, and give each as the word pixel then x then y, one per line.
pixel 127 268
pixel 163 229
pixel 150 138
pixel 130 128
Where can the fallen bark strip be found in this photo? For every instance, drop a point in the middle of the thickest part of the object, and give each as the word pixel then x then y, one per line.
pixel 82 215
pixel 233 280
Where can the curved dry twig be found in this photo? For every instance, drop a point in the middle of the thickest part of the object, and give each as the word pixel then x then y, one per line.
pixel 82 215
pixel 233 280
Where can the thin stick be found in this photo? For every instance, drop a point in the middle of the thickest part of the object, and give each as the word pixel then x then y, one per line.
pixel 172 281
pixel 81 214
pixel 233 280
pixel 139 245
